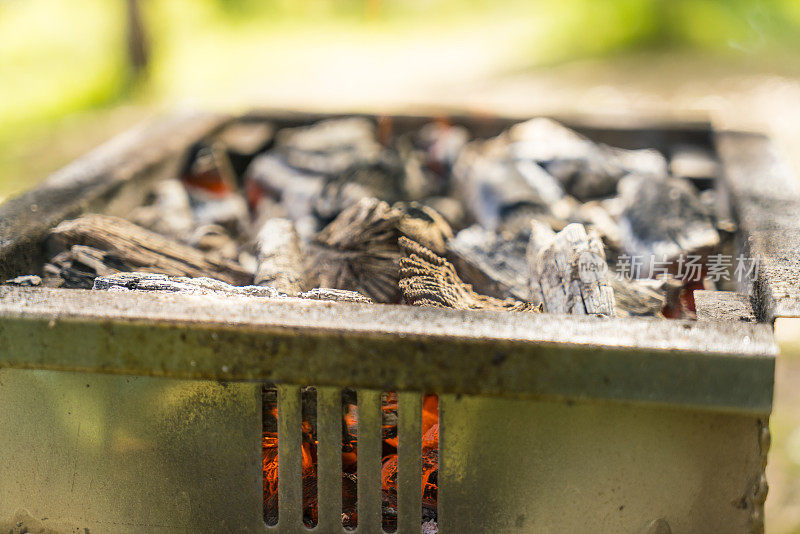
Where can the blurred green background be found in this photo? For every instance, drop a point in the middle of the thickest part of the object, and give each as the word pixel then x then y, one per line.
pixel 74 73
pixel 68 77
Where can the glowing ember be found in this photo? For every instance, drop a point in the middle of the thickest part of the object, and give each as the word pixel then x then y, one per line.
pixel 430 463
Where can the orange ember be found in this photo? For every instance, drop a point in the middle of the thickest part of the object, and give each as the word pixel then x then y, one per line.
pixel 430 463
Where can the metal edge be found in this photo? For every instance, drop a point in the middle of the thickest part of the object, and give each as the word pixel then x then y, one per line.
pixel 714 366
pixel 765 195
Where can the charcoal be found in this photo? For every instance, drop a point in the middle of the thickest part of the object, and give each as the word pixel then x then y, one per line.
pixel 277 190
pixel 695 164
pixel 280 260
pixel 442 144
pixel 213 238
pixel 493 263
pixel 595 215
pixel 663 218
pixel 638 297
pixel 77 267
pixel 358 252
pixel 334 295
pixel 724 306
pixel 451 209
pixel 418 180
pixel 229 211
pixel 329 147
pixel 169 213
pixel 425 226
pixel 381 178
pixel 28 280
pixel 431 281
pixel 139 281
pixel 569 271
pixel 140 249
pixel 585 169
pixel 243 141
pixel 491 187
pixel 209 170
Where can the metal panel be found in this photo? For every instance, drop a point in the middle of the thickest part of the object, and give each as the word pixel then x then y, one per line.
pixel 329 457
pixel 370 445
pixel 119 454
pixel 518 467
pixel 290 480
pixel 409 463
pixel 683 363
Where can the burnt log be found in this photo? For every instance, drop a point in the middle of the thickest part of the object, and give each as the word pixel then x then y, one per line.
pixel 358 252
pixel 494 264
pixel 137 248
pixel 569 271
pixel 585 169
pixel 663 218
pixel 429 280
pixel 279 258
pixel 329 147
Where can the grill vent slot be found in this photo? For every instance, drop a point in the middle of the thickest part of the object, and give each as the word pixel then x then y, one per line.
pixel 331 406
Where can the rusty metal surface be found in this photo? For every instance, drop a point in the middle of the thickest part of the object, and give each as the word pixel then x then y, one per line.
pixel 691 364
pixel 766 200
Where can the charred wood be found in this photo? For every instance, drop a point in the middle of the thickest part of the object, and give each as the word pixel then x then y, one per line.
pixel 280 260
pixel 569 271
pixel 429 280
pixel 494 264
pixel 137 248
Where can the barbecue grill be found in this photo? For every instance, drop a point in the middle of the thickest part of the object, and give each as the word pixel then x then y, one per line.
pixel 130 412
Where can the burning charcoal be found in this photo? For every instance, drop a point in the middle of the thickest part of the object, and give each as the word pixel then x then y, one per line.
pixel 491 187
pixel 638 297
pixel 585 169
pixel 329 147
pixel 451 209
pixel 208 169
pixel 694 164
pixel 279 190
pixel 280 261
pixel 593 214
pixel 358 251
pixel 662 219
pixel 143 250
pixel 77 267
pixel 213 190
pixel 28 280
pixel 213 238
pixel 569 271
pixel 334 295
pixel 425 226
pixel 429 280
pixel 419 181
pixel 443 144
pixel 169 214
pixel 381 178
pixel 243 140
pixel 494 264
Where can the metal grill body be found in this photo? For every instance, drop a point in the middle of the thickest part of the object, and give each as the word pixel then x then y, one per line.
pixel 143 413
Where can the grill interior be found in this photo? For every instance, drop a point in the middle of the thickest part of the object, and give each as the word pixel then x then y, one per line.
pixel 295 478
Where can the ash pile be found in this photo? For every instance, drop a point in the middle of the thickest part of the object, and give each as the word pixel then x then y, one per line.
pixel 538 219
